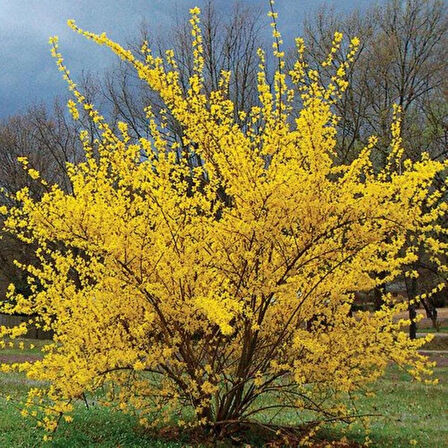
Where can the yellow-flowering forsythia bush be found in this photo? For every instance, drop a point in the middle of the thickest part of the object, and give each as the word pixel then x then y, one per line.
pixel 192 290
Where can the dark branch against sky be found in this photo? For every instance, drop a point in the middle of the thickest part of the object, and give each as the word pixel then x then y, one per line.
pixel 27 73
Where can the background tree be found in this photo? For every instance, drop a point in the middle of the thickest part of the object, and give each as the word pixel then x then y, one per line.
pixel 230 44
pixel 402 60
pixel 48 141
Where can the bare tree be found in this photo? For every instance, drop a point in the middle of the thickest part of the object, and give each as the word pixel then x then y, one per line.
pixel 402 59
pixel 230 44
pixel 48 141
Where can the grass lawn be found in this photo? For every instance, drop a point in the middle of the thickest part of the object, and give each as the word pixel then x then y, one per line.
pixel 441 330
pixel 412 411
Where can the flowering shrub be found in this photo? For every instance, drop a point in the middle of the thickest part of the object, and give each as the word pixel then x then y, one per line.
pixel 193 289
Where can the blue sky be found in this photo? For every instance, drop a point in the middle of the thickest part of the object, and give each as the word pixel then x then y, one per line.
pixel 27 72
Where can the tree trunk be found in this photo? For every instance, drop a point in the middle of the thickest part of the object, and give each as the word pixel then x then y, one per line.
pixel 378 297
pixel 413 325
pixel 411 287
pixel 431 313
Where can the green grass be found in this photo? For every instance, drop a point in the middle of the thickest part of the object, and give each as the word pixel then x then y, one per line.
pixel 411 410
pixel 443 329
pixel 36 350
pixel 94 427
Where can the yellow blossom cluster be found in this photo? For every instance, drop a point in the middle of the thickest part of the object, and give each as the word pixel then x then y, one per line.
pixel 173 286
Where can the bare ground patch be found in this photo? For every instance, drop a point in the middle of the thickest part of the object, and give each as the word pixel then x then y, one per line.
pixel 10 358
